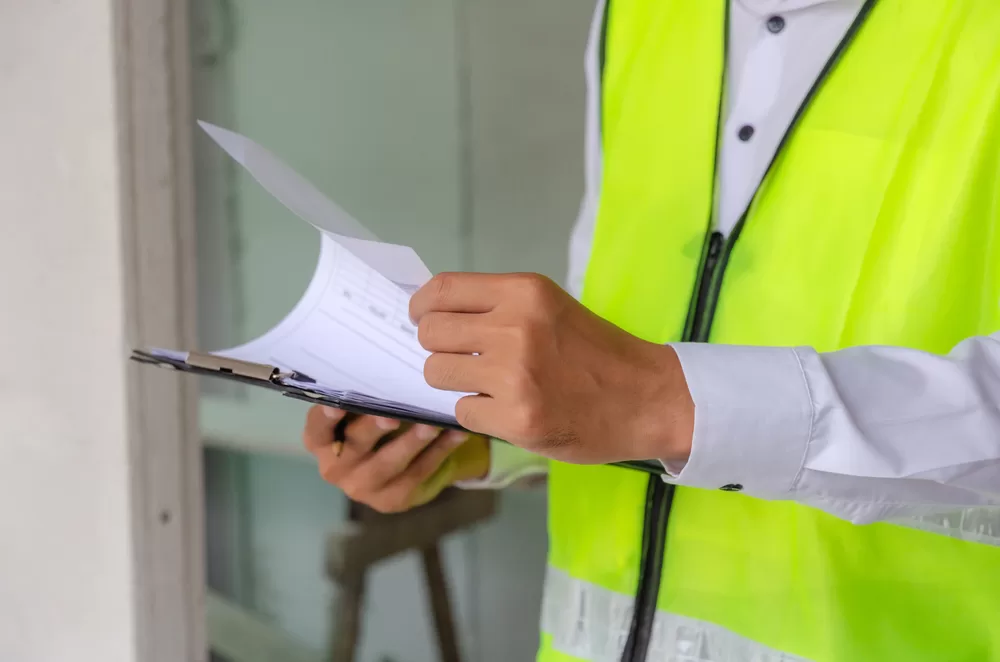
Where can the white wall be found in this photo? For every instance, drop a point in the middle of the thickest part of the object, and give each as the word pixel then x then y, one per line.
pixel 65 531
pixel 526 130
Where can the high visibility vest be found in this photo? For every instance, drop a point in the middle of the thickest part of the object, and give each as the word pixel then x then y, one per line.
pixel 878 223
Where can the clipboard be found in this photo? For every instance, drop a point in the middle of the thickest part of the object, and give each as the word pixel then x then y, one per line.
pixel 350 331
pixel 294 385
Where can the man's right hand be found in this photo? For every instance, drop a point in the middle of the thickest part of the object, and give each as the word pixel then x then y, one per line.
pixel 408 470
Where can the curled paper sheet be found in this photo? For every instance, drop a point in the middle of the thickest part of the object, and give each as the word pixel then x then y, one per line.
pixel 399 264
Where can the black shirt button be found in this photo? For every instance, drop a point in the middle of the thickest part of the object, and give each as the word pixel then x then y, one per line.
pixel 775 24
pixel 734 487
pixel 746 132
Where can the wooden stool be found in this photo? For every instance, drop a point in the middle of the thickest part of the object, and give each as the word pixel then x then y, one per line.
pixel 368 537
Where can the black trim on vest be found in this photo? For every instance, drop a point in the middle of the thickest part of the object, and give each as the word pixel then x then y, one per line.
pixel 705 323
pixel 602 49
pixel 716 252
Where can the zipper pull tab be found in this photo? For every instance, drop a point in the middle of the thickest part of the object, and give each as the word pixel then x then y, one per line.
pixel 715 243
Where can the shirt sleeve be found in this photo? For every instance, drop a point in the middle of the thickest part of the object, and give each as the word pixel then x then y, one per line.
pixel 508 465
pixel 866 434
pixel 582 237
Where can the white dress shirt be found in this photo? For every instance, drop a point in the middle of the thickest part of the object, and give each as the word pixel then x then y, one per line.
pixel 866 433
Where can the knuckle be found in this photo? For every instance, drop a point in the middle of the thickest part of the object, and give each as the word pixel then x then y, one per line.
pixel 464 414
pixel 442 284
pixel 438 371
pixel 534 288
pixel 426 330
pixel 432 369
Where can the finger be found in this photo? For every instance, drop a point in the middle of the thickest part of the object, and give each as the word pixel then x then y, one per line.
pixel 320 425
pixel 456 293
pixel 457 372
pixel 429 473
pixel 455 333
pixel 364 432
pixel 337 461
pixel 392 459
pixel 483 414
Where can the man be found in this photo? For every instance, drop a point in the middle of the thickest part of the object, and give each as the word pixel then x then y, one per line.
pixel 787 179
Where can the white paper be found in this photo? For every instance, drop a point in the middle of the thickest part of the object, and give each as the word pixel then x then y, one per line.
pixel 399 264
pixel 351 333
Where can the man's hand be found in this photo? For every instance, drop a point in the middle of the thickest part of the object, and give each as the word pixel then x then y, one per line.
pixel 413 465
pixel 551 376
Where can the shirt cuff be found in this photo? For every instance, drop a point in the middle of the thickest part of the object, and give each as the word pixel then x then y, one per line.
pixel 508 465
pixel 752 420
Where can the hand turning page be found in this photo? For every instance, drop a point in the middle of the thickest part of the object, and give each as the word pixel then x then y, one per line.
pixel 349 341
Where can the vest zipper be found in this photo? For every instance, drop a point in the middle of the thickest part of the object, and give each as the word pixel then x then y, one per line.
pixel 699 328
pixel 660 495
pixel 701 313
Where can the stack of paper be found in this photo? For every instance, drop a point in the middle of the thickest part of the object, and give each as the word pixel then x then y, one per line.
pixel 350 336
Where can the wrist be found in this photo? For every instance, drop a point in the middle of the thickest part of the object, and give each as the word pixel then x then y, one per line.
pixel 664 424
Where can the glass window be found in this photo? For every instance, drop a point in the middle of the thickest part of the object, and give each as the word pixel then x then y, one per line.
pixel 454 127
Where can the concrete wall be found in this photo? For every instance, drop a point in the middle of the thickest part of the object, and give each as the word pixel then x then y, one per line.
pixel 65 528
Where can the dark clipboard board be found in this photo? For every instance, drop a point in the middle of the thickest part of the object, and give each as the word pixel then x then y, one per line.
pixel 271 378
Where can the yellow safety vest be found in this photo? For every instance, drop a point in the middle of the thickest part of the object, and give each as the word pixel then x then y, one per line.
pixel 878 223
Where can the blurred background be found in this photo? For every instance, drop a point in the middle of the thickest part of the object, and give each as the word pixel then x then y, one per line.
pixel 453 126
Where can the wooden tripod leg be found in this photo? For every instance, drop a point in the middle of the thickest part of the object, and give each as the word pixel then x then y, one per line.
pixel 347 613
pixel 437 590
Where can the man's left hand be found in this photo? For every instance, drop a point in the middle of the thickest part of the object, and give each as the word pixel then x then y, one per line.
pixel 551 376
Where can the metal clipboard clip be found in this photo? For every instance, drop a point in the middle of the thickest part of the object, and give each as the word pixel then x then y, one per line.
pixel 267 373
pixel 211 363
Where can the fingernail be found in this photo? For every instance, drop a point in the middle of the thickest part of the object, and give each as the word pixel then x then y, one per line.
pixel 333 413
pixel 386 423
pixel 427 432
pixel 457 437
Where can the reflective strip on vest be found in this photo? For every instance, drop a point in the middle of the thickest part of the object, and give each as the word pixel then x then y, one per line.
pixel 589 622
pixel 980 525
